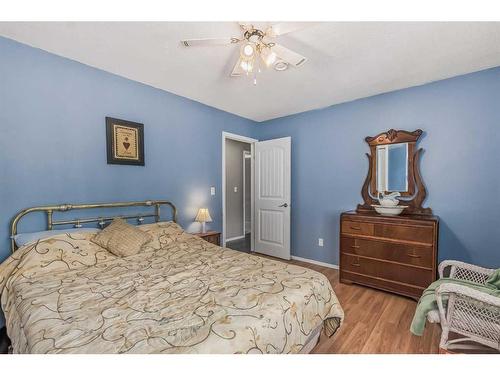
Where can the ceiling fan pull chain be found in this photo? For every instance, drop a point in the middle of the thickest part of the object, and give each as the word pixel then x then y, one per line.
pixel 256 71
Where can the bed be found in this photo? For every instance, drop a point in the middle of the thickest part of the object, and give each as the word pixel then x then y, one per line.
pixel 180 294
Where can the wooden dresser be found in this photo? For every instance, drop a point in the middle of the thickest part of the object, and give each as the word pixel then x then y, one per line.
pixel 393 253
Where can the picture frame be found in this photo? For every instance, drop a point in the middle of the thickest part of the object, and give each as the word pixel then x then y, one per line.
pixel 124 142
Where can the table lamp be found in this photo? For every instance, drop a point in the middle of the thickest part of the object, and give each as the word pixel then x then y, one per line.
pixel 203 217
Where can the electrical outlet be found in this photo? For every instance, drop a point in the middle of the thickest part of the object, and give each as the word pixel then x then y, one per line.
pixel 212 190
pixel 236 189
pixel 320 242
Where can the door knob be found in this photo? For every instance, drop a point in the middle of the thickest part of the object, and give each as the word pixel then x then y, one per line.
pixel 283 205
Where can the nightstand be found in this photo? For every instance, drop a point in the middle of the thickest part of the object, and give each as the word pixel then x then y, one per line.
pixel 210 236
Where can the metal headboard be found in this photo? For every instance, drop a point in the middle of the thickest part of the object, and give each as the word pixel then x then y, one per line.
pixel 101 221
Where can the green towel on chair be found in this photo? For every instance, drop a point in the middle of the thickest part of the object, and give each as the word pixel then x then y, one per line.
pixel 494 280
pixel 428 302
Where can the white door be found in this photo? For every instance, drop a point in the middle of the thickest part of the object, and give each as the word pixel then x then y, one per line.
pixel 272 197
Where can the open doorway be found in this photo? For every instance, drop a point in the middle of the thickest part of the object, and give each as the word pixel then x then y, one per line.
pixel 268 190
pixel 237 192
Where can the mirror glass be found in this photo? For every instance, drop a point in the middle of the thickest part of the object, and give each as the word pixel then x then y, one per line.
pixel 392 167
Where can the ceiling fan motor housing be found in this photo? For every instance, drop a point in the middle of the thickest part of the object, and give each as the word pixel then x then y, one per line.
pixel 254 35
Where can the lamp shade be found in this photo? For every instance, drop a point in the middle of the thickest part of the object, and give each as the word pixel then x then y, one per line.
pixel 203 216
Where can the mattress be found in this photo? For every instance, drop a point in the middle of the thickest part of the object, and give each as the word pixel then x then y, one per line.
pixel 180 294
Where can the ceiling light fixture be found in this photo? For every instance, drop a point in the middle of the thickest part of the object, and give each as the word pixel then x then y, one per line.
pixel 254 47
pixel 249 57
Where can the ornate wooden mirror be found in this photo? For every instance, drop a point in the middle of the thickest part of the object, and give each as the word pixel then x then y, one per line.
pixel 394 166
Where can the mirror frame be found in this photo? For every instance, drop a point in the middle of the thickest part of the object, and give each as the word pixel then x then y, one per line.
pixel 416 194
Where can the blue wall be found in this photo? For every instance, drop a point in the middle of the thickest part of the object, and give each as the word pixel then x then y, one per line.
pixel 53 150
pixel 460 165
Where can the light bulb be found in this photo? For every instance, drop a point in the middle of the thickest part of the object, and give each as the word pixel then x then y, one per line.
pixel 247 51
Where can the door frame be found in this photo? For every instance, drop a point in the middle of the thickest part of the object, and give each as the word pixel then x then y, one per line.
pixel 245 157
pixel 251 141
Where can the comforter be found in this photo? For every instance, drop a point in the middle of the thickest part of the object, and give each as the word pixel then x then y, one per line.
pixel 180 294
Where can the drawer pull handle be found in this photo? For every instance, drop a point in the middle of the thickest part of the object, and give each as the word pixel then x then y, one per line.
pixel 414 255
pixel 355 228
pixel 355 246
pixel 355 264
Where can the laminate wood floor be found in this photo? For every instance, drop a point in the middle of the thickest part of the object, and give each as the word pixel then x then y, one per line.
pixel 375 321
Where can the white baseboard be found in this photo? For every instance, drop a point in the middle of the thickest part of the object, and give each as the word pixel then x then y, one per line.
pixel 235 238
pixel 329 265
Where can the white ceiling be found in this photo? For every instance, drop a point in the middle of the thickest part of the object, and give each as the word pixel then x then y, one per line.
pixel 346 61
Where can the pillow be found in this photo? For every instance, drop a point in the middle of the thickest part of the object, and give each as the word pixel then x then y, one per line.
pixel 166 227
pixel 163 233
pixel 121 238
pixel 22 239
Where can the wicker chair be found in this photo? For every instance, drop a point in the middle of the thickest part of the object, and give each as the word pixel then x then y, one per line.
pixel 472 314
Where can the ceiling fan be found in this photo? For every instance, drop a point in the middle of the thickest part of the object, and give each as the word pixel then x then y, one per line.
pixel 257 45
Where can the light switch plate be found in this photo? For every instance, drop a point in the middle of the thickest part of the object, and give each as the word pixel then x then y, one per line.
pixel 320 242
pixel 236 189
pixel 212 190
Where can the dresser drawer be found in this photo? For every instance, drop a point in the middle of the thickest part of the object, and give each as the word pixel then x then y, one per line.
pixel 391 286
pixel 386 270
pixel 422 234
pixel 413 233
pixel 421 256
pixel 356 227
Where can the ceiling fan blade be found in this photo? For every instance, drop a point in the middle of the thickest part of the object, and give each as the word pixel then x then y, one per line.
pixel 237 69
pixel 208 42
pixel 285 28
pixel 288 55
pixel 245 26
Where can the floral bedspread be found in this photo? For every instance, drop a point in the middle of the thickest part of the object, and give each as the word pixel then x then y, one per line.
pixel 180 294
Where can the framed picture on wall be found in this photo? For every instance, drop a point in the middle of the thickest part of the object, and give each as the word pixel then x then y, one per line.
pixel 124 142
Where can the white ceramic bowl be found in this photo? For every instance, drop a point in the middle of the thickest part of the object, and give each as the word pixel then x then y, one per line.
pixel 388 202
pixel 389 211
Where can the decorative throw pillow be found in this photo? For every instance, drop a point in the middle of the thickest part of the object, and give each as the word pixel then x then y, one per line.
pixel 121 238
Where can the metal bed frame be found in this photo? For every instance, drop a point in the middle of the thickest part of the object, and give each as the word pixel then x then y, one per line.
pixel 101 220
